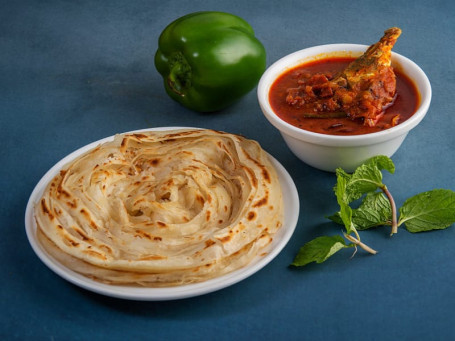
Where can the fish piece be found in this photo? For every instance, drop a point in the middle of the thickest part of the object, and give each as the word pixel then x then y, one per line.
pixel 367 66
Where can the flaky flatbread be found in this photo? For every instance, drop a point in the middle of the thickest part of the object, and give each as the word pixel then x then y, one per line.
pixel 162 208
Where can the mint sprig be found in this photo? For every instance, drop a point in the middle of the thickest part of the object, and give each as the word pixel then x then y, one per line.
pixel 432 210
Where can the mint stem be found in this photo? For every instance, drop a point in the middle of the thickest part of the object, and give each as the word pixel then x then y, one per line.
pixel 359 243
pixel 394 210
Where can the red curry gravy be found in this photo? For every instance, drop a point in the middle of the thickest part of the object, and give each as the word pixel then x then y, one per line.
pixel 405 104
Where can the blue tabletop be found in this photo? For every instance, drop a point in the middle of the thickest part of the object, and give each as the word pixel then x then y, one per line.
pixel 74 72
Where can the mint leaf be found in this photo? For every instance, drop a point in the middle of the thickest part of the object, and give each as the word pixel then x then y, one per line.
pixel 319 249
pixel 340 187
pixel 382 162
pixel 432 210
pixel 366 178
pixel 374 211
pixel 345 209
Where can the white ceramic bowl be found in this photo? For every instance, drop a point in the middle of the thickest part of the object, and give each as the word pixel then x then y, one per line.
pixel 327 152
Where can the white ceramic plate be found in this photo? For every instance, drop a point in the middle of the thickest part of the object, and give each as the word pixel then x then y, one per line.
pixel 291 213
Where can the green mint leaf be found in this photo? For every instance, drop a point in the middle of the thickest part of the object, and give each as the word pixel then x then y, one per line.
pixel 382 162
pixel 432 210
pixel 345 209
pixel 340 187
pixel 319 249
pixel 374 211
pixel 366 178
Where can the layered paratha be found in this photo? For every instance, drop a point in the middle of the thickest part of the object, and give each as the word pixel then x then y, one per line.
pixel 162 208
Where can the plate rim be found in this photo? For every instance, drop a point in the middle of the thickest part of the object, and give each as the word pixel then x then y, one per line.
pixel 291 215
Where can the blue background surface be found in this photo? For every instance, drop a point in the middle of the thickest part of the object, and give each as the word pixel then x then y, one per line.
pixel 74 72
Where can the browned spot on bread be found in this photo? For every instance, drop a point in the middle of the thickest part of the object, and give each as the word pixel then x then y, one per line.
pixel 261 202
pixel 140 233
pixel 266 175
pixel 85 213
pixel 207 215
pixel 71 204
pixel 93 225
pixel 161 224
pixel 70 241
pixel 158 239
pixel 154 162
pixel 46 210
pixel 200 199
pixel 61 191
pixel 82 234
pixel 209 243
pixel 251 215
pixel 265 239
pixel 225 239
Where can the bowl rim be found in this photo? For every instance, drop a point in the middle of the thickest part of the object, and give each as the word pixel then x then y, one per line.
pixel 412 70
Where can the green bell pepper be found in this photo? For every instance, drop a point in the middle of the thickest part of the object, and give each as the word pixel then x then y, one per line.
pixel 209 60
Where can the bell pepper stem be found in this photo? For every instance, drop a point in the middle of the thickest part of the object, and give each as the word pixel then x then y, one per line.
pixel 179 75
pixel 173 79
